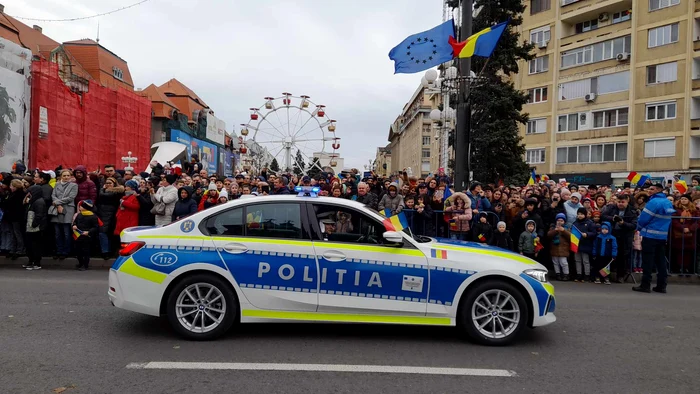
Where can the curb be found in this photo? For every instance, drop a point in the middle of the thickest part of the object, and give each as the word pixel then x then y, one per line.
pixel 68 263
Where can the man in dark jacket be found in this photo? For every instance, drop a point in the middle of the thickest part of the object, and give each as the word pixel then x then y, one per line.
pixel 146 218
pixel 365 196
pixel 87 190
pixel 37 221
pixel 42 179
pixel 281 185
pixel 623 218
pixel 107 205
pixel 529 213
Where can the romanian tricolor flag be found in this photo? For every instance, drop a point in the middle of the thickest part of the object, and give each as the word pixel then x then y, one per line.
pixel 637 179
pixel 480 44
pixel 397 222
pixel 681 186
pixel 386 212
pixel 605 271
pixel 438 254
pixel 533 178
pixel 575 238
pixel 481 238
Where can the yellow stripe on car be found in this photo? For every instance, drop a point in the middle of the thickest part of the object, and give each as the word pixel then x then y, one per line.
pixel 131 268
pixel 549 288
pixel 506 255
pixel 336 317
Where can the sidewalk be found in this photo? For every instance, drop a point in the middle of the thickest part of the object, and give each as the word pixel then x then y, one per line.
pixel 48 262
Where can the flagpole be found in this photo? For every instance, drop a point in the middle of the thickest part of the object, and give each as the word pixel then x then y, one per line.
pixel 462 168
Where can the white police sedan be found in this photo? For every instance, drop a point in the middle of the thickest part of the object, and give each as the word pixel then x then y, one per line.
pixel 320 259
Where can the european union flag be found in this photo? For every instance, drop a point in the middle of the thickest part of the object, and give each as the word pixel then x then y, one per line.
pixel 424 50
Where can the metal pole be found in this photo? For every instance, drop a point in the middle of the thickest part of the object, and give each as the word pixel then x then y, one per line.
pixel 462 137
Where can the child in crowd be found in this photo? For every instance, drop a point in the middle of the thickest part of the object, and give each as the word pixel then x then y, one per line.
pixel 560 246
pixel 637 253
pixel 604 251
pixel 85 228
pixel 528 240
pixel 482 231
pixel 501 238
pixel 596 221
pixel 585 246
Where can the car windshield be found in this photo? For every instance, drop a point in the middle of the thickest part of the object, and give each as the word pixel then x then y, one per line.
pixel 416 237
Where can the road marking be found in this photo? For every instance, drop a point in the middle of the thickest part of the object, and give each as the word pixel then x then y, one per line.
pixel 503 373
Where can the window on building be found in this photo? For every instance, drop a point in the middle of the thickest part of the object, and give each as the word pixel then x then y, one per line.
pixel 537 95
pixel 117 73
pixel 567 2
pixel 426 128
pixel 660 148
pixel 568 122
pixel 661 111
pixel 535 156
pixel 537 6
pixel 574 89
pixel 540 35
pixel 659 4
pixel 598 52
pixel 621 16
pixel 426 140
pixel 425 153
pixel 663 35
pixel 661 73
pixel 536 126
pixel 539 64
pixel 597 153
pixel 610 118
pixel 611 83
pixel 585 26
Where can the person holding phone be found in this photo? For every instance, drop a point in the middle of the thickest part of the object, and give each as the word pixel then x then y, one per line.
pixel 623 218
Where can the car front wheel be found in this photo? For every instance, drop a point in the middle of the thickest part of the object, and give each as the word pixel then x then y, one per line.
pixel 494 313
pixel 202 307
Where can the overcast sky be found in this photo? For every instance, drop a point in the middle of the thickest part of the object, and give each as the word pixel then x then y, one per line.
pixel 233 53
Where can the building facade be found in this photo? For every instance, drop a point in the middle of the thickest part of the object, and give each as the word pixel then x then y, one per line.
pixel 382 161
pixel 614 88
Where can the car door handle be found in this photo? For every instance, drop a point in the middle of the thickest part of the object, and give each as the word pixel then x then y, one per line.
pixel 235 248
pixel 333 255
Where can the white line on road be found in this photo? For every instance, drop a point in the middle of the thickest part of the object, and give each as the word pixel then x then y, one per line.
pixel 323 368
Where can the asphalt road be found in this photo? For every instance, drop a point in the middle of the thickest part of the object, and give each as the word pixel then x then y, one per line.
pixel 59 332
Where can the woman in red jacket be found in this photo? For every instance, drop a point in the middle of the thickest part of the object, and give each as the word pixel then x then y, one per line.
pixel 128 212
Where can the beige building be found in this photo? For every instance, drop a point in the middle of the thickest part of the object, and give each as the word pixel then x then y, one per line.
pixel 412 141
pixel 382 161
pixel 615 87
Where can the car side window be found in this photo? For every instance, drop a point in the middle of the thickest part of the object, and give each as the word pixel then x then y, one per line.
pixel 228 223
pixel 339 224
pixel 273 221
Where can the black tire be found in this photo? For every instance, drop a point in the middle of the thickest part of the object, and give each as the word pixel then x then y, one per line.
pixel 229 316
pixel 467 324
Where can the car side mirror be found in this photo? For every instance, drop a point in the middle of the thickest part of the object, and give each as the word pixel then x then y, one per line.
pixel 393 237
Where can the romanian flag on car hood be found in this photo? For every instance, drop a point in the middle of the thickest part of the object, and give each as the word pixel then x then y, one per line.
pixel 480 44
pixel 575 239
pixel 396 223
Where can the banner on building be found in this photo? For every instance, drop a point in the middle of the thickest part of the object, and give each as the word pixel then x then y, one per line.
pixel 215 129
pixel 208 153
pixel 43 123
pixel 15 96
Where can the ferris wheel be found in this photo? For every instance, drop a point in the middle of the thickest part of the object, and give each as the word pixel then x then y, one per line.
pixel 288 124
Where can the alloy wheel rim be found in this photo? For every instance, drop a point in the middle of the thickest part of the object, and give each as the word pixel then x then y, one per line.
pixel 495 314
pixel 200 307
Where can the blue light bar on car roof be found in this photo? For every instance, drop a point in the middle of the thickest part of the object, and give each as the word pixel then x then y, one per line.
pixel 307 191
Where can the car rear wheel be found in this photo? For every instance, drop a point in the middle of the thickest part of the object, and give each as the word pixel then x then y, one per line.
pixel 494 313
pixel 202 307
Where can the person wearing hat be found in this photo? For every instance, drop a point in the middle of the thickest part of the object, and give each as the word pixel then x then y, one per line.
pixel 85 229
pixel 585 247
pixel 129 206
pixel 571 208
pixel 529 213
pixel 683 233
pixel 560 247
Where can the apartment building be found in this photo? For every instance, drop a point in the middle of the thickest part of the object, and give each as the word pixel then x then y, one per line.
pixel 614 88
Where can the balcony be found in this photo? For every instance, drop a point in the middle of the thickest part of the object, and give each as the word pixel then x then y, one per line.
pixel 601 31
pixel 582 10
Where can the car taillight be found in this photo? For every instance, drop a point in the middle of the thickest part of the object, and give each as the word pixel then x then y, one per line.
pixel 130 248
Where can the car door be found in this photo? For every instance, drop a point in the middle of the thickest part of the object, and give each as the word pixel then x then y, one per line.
pixel 268 253
pixel 361 273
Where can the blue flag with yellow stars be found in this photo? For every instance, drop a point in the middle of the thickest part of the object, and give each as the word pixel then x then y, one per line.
pixel 424 50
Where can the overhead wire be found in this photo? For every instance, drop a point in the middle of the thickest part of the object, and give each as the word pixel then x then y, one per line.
pixel 82 17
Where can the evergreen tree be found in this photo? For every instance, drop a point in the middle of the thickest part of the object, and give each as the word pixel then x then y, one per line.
pixel 298 167
pixel 313 168
pixel 498 152
pixel 274 166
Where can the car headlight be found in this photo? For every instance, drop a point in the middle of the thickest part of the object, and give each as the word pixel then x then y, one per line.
pixel 540 275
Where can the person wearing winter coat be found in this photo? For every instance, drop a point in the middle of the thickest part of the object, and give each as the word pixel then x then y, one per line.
pixel 528 240
pixel 623 218
pixel 529 213
pixel 164 200
pixel 210 199
pixel 86 227
pixel 185 205
pixel 423 218
pixel 501 238
pixel 367 197
pixel 683 234
pixel 128 212
pixel 146 218
pixel 14 219
pixel 571 209
pixel 87 190
pixel 37 221
pixel 458 214
pixel 108 201
pixel 604 251
pixel 588 232
pixel 482 231
pixel 392 200
pixel 61 211
pixel 560 247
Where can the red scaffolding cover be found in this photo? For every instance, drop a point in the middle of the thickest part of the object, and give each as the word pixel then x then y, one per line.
pixel 100 130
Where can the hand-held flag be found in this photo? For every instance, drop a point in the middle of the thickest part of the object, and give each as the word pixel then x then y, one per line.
pixel 637 179
pixel 480 44
pixel 396 223
pixel 532 179
pixel 606 270
pixel 681 186
pixel 575 238
pixel 424 50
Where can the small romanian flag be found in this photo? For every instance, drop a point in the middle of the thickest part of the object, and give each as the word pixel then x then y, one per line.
pixel 386 213
pixel 438 254
pixel 575 239
pixel 538 245
pixel 397 222
pixel 533 178
pixel 637 178
pixel 482 238
pixel 681 186
pixel 605 271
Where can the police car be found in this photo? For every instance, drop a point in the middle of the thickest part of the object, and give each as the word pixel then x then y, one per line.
pixel 322 259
